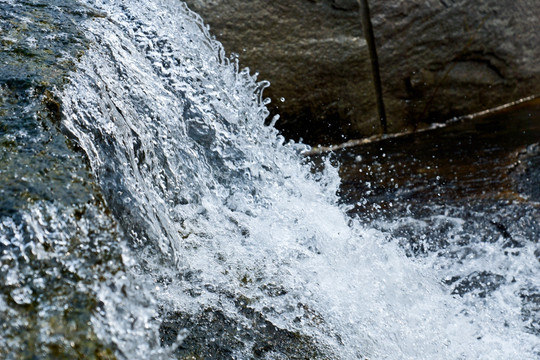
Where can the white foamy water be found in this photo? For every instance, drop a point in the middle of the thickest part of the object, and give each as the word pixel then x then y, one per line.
pixel 222 215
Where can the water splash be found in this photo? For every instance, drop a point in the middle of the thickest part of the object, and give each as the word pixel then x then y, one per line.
pixel 228 231
pixel 51 259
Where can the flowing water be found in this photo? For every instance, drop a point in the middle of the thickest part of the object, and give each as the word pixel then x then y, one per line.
pixel 222 241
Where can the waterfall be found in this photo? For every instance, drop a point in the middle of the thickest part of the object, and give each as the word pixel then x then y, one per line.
pixel 232 245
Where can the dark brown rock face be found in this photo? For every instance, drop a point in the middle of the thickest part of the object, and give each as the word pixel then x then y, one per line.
pixel 448 58
pixel 439 59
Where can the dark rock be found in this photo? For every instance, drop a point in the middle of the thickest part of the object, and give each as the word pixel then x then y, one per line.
pixel 439 59
pixel 346 5
pixel 480 284
pixel 447 58
pixel 530 310
pixel 212 334
pixel 526 172
pixel 56 234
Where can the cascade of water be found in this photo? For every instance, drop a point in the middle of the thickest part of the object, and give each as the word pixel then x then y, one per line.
pixel 228 233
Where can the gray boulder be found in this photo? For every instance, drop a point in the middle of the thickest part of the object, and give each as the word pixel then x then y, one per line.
pixel 439 59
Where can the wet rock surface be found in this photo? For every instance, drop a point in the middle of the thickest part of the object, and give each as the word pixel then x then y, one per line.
pixel 527 172
pixel 490 158
pixel 481 172
pixel 56 235
pixel 214 335
pixel 439 59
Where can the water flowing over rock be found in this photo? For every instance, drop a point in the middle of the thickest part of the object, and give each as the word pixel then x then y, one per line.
pixel 58 242
pixel 438 59
pixel 178 225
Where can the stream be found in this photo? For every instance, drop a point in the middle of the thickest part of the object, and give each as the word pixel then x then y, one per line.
pixel 148 212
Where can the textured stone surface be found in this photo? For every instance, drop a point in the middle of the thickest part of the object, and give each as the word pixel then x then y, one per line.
pixel 57 237
pixel 438 59
pixel 448 58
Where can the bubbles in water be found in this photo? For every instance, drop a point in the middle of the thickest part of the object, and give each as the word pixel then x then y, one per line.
pixel 231 236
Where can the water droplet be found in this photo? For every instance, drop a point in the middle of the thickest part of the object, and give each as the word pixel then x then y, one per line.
pixel 22 296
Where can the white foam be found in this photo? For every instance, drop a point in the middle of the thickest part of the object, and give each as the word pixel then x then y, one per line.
pixel 176 132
